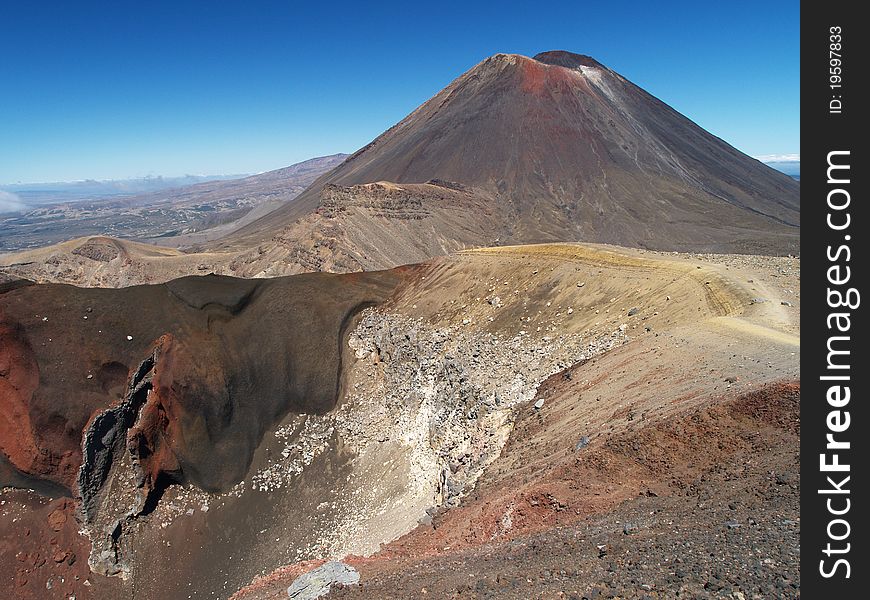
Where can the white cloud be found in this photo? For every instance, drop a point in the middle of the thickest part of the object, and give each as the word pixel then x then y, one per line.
pixel 10 202
pixel 778 158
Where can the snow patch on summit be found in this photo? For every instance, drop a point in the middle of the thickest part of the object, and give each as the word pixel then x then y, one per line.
pixel 596 76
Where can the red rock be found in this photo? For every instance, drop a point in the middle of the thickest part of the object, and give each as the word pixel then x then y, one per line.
pixel 19 378
pixel 57 518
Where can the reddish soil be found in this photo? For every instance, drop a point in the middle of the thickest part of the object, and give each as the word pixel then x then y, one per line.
pixel 702 505
pixel 42 555
pixel 661 459
pixel 19 378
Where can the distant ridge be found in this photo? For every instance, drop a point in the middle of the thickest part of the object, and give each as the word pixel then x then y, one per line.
pixel 178 216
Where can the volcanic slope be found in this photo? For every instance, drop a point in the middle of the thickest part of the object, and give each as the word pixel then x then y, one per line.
pixel 559 148
pixel 431 394
pixel 666 467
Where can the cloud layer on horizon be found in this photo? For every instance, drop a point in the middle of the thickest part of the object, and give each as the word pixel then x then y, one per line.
pixel 778 158
pixel 10 202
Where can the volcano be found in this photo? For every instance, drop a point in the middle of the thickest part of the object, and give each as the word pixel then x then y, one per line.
pixel 559 147
pixel 517 150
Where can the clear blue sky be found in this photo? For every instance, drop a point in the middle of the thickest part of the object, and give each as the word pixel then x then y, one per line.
pixel 126 89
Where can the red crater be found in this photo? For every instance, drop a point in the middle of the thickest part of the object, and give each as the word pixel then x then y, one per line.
pixel 19 378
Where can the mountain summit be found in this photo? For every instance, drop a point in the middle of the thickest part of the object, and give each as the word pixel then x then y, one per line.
pixel 567 149
pixel 562 58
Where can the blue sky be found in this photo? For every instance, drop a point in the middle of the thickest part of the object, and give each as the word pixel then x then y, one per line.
pixel 122 89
